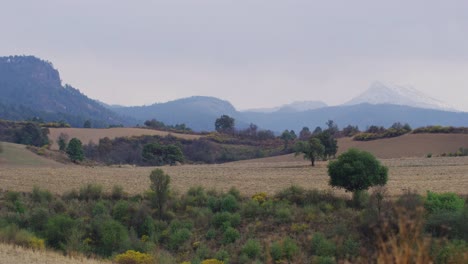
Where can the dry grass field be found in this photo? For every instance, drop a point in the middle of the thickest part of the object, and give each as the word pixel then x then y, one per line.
pixel 267 175
pixel 93 134
pixel 10 254
pixel 409 145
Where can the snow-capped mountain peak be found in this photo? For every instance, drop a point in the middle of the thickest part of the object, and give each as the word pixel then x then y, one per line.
pixel 380 93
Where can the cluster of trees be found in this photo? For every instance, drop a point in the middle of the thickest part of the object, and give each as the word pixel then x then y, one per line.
pixel 157 155
pixel 207 226
pixel 155 124
pixel 378 132
pixel 319 145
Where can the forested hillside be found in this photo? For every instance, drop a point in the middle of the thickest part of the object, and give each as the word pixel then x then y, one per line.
pixel 30 87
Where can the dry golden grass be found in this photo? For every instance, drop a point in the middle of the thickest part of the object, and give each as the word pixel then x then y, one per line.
pixel 262 175
pixel 93 134
pixel 10 254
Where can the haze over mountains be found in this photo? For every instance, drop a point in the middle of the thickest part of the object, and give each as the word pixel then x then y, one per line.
pixel 32 87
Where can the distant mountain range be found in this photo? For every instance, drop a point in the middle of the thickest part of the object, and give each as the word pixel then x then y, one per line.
pixel 30 87
pixel 379 93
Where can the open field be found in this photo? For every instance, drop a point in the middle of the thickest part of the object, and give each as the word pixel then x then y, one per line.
pixel 18 156
pixel 10 254
pixel 409 145
pixel 94 134
pixel 268 175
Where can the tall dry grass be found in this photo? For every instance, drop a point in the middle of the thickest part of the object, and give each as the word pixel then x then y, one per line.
pixel 11 254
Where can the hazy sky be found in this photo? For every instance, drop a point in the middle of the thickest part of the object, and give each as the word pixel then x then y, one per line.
pixel 253 53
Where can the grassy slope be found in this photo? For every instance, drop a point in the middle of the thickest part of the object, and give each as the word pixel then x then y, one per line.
pixel 15 155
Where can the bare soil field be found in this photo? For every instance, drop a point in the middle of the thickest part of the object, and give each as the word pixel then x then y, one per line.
pixel 10 254
pixel 409 145
pixel 94 134
pixel 262 175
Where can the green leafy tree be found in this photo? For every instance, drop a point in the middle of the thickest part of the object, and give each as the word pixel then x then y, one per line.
pixel 305 134
pixel 75 150
pixel 225 124
pixel 62 141
pixel 156 154
pixel 87 124
pixel 356 171
pixel 287 136
pixel 312 149
pixel 32 134
pixel 160 188
pixel 329 142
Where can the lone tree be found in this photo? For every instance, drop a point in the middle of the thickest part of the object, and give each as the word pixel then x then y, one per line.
pixel 225 124
pixel 356 171
pixel 312 149
pixel 160 190
pixel 75 150
pixel 87 124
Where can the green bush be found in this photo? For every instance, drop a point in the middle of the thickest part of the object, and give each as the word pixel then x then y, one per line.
pixel 112 236
pixel 283 213
pixel 12 234
pixel 324 260
pixel 225 219
pixel 230 235
pixel 251 209
pixel 57 230
pixel 276 251
pixel 117 192
pixel 38 219
pixel 196 196
pixel 222 255
pixel 290 248
pixel 99 208
pixel 121 212
pixel 294 194
pixel 229 203
pixel 444 201
pixel 178 238
pixel 252 249
pixel 90 192
pixel 321 246
pixel 41 196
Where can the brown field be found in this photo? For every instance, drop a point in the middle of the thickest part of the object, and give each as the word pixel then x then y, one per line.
pixel 267 175
pixel 10 254
pixel 410 145
pixel 20 170
pixel 93 134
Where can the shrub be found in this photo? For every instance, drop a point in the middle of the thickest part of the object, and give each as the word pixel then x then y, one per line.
pixel 99 208
pixel 225 219
pixel 12 234
pixel 444 201
pixel 229 203
pixel 283 213
pixel 90 192
pixel 321 246
pixel 230 235
pixel 294 194
pixel 290 248
pixel 121 212
pixel 112 236
pixel 117 192
pixel 39 218
pixel 212 261
pixel 222 255
pixel 251 209
pixel 133 257
pixel 196 196
pixel 40 196
pixel 324 260
pixel 57 230
pixel 178 238
pixel 260 197
pixel 252 249
pixel 276 251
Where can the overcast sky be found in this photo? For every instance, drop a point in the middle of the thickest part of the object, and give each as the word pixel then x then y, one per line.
pixel 253 53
